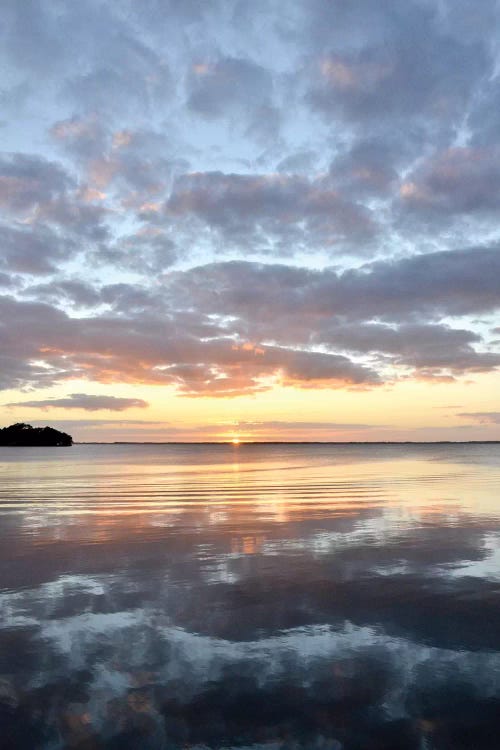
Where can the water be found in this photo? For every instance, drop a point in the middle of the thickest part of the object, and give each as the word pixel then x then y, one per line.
pixel 280 597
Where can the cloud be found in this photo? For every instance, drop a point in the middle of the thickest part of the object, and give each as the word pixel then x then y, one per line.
pixel 159 161
pixel 83 136
pixel 30 37
pixel 432 285
pixel 275 427
pixel 86 402
pixel 376 310
pixel 123 169
pixel 150 250
pixel 483 417
pixel 121 88
pixel 256 211
pixel 369 167
pixel 145 349
pixel 217 87
pixel 27 181
pixel 388 62
pixel 239 90
pixel 240 327
pixel 6 280
pixel 258 430
pixel 300 162
pixel 426 347
pixel 69 424
pixel 72 291
pixel 459 180
pixel 34 251
pixel 41 195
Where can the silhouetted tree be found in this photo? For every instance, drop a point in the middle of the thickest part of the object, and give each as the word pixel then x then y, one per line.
pixel 21 434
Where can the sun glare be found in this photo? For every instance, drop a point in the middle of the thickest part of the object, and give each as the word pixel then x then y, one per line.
pixel 235 441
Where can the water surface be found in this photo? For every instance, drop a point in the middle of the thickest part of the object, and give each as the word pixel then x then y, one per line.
pixel 273 596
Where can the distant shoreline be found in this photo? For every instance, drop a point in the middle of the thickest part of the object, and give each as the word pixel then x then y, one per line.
pixel 291 442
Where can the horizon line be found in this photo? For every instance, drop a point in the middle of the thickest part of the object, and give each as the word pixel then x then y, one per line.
pixel 284 442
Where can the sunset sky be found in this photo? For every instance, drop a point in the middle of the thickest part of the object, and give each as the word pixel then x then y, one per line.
pixel 260 220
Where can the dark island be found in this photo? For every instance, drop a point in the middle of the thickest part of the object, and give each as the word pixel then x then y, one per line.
pixel 24 435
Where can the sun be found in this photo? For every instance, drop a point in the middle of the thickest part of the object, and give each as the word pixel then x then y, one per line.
pixel 235 441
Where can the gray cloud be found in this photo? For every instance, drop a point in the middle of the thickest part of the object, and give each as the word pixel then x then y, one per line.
pixel 457 181
pixel 391 62
pixel 252 210
pixel 41 195
pixel 483 119
pixel 85 137
pixel 220 86
pixel 121 88
pixel 425 347
pixel 6 280
pixel 131 168
pixel 27 182
pixel 75 292
pixel 145 252
pixel 376 310
pixel 86 402
pixel 300 162
pixel 32 251
pixel 368 168
pixel 458 283
pixel 30 36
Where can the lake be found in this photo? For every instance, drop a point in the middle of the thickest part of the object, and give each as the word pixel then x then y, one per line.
pixel 337 597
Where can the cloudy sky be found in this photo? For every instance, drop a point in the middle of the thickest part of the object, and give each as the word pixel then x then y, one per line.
pixel 267 220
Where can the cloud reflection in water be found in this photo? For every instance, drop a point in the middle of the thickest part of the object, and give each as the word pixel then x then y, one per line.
pixel 315 597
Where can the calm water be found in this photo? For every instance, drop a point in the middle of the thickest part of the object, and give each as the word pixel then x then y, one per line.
pixel 279 597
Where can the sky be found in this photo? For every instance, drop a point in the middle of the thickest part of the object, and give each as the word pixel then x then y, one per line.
pixel 258 221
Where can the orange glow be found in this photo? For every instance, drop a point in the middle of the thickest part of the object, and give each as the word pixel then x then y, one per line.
pixel 406 410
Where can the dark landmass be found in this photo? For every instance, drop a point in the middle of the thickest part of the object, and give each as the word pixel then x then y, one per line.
pixel 24 435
